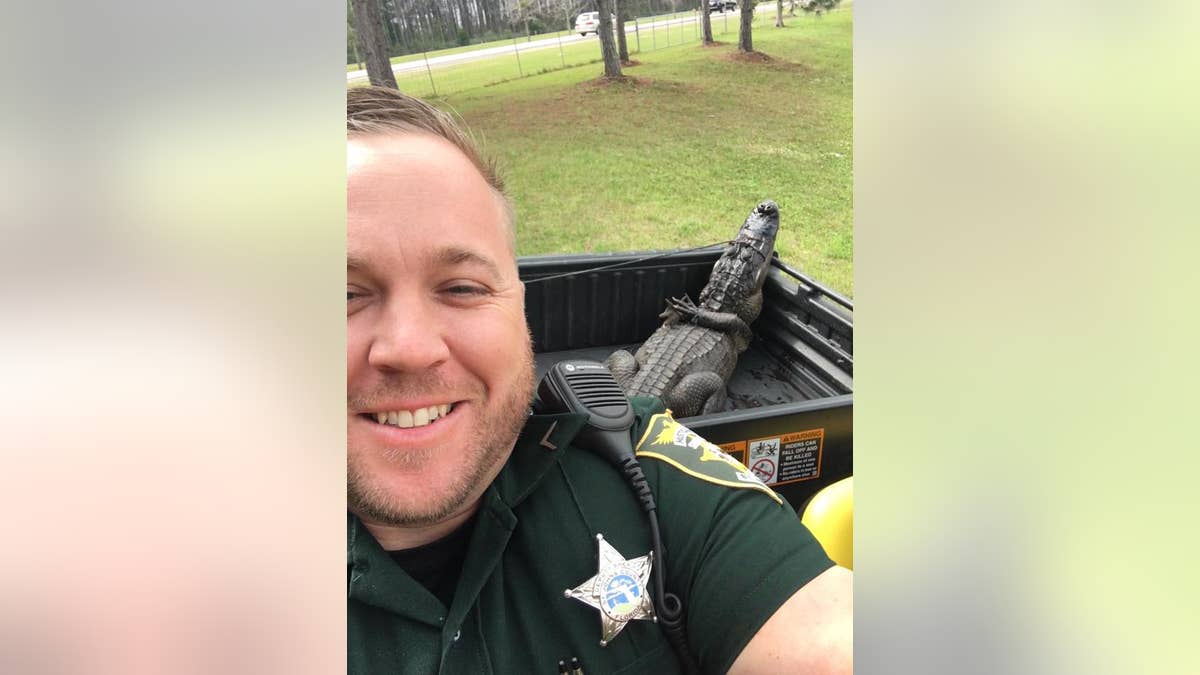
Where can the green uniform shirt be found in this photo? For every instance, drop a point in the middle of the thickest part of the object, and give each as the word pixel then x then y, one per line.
pixel 734 551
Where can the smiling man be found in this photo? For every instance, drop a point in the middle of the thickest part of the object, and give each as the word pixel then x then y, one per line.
pixel 440 366
pixel 470 518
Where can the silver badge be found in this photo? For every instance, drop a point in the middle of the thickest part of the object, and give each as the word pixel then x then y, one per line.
pixel 620 590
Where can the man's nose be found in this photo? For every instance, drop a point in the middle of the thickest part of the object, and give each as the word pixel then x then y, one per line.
pixel 410 339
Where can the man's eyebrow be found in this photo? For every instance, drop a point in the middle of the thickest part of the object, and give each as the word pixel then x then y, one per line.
pixel 453 255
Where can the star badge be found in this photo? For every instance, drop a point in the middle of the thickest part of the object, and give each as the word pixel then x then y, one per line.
pixel 620 590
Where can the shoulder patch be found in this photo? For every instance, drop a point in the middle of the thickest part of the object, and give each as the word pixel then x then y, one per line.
pixel 671 442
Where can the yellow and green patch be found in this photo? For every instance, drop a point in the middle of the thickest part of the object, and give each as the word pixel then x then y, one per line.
pixel 671 442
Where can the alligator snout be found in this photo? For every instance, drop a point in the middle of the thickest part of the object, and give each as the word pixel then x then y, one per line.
pixel 768 208
pixel 763 221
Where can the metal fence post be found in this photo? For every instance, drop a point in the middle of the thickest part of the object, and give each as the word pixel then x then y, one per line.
pixel 637 35
pixel 518 53
pixel 430 71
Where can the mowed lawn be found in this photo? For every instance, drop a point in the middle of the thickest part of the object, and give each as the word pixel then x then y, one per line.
pixel 678 156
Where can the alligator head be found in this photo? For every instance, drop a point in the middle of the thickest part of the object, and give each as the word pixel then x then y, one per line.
pixel 741 270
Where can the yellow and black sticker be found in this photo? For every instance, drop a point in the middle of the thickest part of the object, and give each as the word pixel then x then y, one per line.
pixel 671 442
pixel 787 458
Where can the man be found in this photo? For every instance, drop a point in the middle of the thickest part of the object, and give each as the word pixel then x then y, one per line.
pixel 472 520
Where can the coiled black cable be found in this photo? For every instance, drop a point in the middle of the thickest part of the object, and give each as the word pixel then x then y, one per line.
pixel 668 607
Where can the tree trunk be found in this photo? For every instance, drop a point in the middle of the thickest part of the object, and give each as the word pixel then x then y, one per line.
pixel 370 37
pixel 622 49
pixel 351 38
pixel 745 42
pixel 439 15
pixel 706 22
pixel 354 46
pixel 385 21
pixel 496 16
pixel 465 18
pixel 608 46
pixel 779 13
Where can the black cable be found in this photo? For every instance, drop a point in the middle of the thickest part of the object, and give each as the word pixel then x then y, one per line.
pixel 588 387
pixel 668 606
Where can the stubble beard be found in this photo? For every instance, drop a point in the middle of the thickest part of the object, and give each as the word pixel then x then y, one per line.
pixel 490 445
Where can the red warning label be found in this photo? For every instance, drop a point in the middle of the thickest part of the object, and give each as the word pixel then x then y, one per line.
pixel 764 469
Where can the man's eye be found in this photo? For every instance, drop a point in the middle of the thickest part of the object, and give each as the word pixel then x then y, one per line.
pixel 466 290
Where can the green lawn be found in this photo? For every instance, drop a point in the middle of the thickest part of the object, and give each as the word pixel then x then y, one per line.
pixel 679 156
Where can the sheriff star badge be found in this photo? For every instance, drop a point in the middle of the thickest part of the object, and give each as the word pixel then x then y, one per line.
pixel 619 590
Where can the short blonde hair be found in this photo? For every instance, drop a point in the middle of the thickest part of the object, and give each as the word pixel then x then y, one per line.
pixel 380 111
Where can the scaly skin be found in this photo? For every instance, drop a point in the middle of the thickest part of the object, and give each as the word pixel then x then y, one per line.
pixel 688 360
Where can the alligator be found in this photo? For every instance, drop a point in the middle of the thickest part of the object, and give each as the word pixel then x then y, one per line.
pixel 688 360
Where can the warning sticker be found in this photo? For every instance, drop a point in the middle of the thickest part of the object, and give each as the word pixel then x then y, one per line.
pixel 764 468
pixel 786 459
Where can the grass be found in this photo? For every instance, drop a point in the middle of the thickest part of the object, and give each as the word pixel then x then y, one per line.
pixel 677 156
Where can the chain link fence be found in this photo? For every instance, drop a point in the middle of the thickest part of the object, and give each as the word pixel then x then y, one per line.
pixel 449 71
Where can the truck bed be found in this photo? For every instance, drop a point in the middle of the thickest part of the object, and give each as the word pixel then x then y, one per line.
pixel 794 381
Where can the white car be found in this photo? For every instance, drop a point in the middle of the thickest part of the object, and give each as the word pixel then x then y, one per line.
pixel 589 22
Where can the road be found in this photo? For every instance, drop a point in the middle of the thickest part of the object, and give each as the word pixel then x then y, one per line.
pixel 533 45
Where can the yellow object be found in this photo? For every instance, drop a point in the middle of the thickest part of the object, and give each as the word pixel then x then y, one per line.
pixel 830 517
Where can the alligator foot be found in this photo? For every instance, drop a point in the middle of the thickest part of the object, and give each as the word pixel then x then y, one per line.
pixel 698 393
pixel 623 366
pixel 678 310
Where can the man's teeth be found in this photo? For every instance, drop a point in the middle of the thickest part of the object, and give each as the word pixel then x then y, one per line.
pixel 413 418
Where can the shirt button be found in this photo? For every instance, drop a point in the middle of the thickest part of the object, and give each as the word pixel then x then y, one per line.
pixel 457 634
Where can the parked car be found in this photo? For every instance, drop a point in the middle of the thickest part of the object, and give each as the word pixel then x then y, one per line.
pixel 721 6
pixel 589 22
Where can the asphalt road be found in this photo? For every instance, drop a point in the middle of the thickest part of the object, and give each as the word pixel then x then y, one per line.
pixel 533 45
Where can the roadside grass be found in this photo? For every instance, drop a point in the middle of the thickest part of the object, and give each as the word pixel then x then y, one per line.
pixel 508 42
pixel 455 78
pixel 679 155
pixel 448 80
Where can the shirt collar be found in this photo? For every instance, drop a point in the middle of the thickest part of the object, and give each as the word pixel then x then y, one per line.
pixel 541 443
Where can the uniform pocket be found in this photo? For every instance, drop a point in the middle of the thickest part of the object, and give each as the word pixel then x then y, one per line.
pixel 660 661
